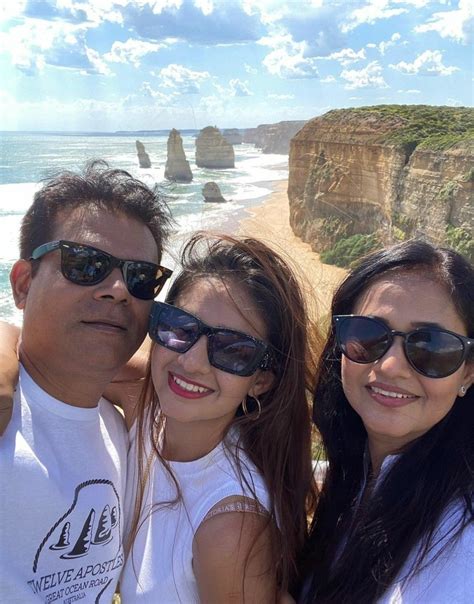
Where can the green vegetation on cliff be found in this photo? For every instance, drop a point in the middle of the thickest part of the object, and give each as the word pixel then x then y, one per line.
pixel 461 240
pixel 348 250
pixel 421 126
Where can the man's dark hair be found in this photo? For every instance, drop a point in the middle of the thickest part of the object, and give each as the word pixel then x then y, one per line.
pixel 98 186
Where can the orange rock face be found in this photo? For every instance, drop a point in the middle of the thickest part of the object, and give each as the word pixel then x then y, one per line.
pixel 344 180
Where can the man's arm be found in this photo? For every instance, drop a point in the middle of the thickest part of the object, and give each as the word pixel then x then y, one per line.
pixel 9 338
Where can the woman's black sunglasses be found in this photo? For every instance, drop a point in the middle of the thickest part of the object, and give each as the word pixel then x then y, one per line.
pixel 231 351
pixel 87 265
pixel 431 351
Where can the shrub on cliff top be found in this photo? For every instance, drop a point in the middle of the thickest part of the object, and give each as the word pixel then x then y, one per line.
pixel 348 250
pixel 426 126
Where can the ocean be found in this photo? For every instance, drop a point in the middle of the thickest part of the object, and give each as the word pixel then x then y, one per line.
pixel 28 158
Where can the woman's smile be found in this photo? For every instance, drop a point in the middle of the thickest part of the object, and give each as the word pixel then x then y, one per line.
pixel 187 388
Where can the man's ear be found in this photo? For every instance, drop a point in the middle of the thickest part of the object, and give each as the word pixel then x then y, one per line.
pixel 263 383
pixel 20 280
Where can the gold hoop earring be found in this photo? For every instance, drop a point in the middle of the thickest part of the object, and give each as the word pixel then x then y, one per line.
pixel 252 416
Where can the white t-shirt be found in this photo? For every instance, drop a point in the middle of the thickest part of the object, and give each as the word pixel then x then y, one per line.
pixel 446 577
pixel 159 568
pixel 62 487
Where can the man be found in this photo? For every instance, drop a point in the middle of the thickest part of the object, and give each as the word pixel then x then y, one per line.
pixel 90 248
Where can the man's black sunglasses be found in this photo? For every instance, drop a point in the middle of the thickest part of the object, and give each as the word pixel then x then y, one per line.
pixel 86 265
pixel 432 351
pixel 231 351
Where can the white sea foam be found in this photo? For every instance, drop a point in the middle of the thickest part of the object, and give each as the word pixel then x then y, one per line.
pixel 38 156
pixel 17 197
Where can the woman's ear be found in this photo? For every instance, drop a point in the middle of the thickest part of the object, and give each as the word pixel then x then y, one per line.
pixel 262 384
pixel 467 379
pixel 20 280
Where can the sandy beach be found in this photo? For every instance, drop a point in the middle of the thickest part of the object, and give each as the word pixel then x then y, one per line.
pixel 271 223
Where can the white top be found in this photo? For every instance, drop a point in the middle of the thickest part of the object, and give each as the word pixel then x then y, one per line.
pixel 446 579
pixel 159 568
pixel 62 486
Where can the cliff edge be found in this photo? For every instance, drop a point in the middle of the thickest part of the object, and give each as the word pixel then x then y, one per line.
pixel 362 177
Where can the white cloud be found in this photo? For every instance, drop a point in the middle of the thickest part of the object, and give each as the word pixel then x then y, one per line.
pixel 147 92
pixel 131 51
pixel 35 44
pixel 99 66
pixel 368 77
pixel 371 12
pixel 182 79
pixel 249 69
pixel 10 10
pixel 457 24
pixel 239 88
pixel 288 60
pixel 346 56
pixel 384 45
pixel 429 63
pixel 411 91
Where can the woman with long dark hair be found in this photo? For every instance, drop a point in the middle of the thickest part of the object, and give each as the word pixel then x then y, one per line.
pixel 221 446
pixel 394 404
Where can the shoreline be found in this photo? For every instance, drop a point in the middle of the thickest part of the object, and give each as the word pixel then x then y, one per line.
pixel 270 222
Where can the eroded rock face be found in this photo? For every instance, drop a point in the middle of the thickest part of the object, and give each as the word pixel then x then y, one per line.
pixel 436 191
pixel 213 151
pixel 232 136
pixel 212 193
pixel 343 180
pixel 273 138
pixel 177 167
pixel 143 157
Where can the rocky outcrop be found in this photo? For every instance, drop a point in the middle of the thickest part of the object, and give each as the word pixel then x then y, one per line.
pixel 177 167
pixel 143 157
pixel 213 151
pixel 273 138
pixel 212 193
pixel 232 136
pixel 365 171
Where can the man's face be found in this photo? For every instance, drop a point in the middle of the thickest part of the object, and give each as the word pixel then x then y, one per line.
pixel 90 329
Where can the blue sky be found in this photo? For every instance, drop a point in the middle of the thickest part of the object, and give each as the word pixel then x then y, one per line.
pixel 106 65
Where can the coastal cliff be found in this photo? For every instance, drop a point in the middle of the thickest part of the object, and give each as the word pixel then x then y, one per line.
pixel 273 138
pixel 362 177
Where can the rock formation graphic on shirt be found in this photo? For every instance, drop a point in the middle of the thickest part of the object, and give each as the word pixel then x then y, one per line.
pixel 81 553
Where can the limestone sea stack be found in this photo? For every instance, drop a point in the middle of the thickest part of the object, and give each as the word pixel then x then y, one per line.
pixel 212 193
pixel 177 167
pixel 213 151
pixel 143 157
pixel 232 136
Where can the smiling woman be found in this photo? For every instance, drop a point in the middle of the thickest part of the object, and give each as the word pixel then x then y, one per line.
pixel 220 463
pixel 395 518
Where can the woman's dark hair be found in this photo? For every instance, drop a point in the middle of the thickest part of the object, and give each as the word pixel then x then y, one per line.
pixel 278 442
pixel 353 556
pixel 109 190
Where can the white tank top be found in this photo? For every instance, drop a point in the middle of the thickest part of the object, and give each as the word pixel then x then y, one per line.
pixel 159 567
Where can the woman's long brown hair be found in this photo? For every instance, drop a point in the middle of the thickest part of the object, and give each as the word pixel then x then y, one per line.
pixel 279 441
